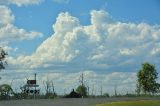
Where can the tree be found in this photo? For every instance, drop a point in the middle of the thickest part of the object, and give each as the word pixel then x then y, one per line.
pixel 5 91
pixel 147 76
pixel 138 89
pixel 82 90
pixel 2 58
pixel 49 87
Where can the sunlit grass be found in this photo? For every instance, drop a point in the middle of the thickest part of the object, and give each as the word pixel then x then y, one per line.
pixel 133 103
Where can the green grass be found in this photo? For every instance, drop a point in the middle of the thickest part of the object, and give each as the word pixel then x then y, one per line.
pixel 133 103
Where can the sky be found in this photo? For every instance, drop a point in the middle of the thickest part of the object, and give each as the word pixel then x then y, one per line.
pixel 107 40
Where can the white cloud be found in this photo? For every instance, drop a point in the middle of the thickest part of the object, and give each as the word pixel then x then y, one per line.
pixel 127 52
pixel 9 49
pixel 99 17
pixel 65 23
pixel 9 32
pixel 20 2
pixel 105 45
pixel 6 16
pixel 61 1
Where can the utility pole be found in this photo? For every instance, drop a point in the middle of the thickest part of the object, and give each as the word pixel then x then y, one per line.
pixel 35 87
pixel 93 90
pixel 64 91
pixel 82 79
pixel 53 87
pixel 115 90
pixel 101 91
pixel 88 90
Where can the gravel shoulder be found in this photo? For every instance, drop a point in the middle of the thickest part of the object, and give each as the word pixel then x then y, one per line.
pixel 67 102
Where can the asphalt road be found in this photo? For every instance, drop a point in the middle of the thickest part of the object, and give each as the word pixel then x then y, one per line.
pixel 67 102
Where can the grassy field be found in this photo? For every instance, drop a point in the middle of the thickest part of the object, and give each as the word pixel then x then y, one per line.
pixel 133 103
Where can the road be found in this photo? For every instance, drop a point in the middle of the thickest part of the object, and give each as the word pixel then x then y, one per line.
pixel 67 102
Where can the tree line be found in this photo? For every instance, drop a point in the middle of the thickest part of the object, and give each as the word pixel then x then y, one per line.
pixel 146 83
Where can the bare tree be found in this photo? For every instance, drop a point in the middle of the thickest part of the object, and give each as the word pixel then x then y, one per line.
pixel 49 87
pixel 2 58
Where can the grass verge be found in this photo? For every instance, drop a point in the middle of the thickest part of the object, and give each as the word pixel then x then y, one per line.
pixel 133 103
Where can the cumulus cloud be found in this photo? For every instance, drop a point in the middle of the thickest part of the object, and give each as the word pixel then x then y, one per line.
pixel 9 32
pixel 6 16
pixel 20 2
pixel 104 45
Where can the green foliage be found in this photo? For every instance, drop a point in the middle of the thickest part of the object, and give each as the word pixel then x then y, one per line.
pixel 147 76
pixel 82 90
pixel 50 95
pixel 105 95
pixel 5 88
pixel 2 58
pixel 5 91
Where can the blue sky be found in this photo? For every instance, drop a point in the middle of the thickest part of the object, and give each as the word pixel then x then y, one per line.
pixel 67 37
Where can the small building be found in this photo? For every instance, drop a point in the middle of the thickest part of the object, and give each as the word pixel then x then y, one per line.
pixel 73 94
